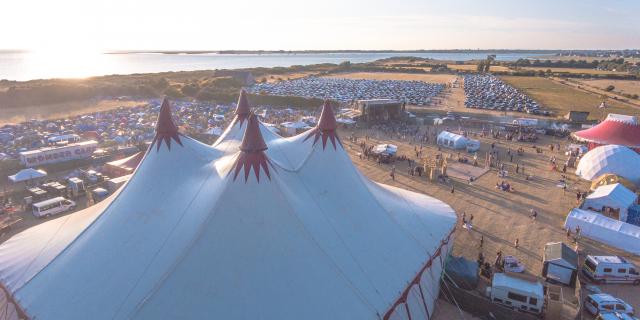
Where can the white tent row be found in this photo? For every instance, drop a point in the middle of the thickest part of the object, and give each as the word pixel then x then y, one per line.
pixel 613 232
pixel 27 174
pixel 255 226
pixel 615 196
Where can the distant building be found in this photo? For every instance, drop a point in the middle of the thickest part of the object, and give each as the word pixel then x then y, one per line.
pixel 245 77
pixel 577 116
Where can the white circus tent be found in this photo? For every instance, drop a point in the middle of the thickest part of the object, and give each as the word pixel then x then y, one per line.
pixel 614 159
pixel 275 229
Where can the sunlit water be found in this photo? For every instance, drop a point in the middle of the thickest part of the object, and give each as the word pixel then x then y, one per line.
pixel 29 66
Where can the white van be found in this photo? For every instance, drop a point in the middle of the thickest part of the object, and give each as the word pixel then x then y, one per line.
pixel 53 206
pixel 516 293
pixel 610 269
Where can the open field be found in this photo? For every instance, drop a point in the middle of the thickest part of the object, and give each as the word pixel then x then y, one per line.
pixel 473 67
pixel 561 98
pixel 61 110
pixel 436 78
pixel 621 86
pixel 574 70
pixel 577 58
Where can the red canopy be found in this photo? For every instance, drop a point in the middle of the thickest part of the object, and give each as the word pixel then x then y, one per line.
pixel 615 129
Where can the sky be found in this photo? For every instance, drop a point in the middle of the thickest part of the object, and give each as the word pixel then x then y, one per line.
pixel 89 25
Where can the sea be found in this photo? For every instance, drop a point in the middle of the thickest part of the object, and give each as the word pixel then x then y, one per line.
pixel 23 66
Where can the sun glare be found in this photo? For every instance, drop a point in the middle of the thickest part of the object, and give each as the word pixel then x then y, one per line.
pixel 65 62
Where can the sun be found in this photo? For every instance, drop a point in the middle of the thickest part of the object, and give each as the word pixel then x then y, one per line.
pixel 68 61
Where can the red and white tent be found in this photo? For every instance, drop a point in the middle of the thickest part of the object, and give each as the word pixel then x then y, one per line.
pixel 615 129
pixel 260 228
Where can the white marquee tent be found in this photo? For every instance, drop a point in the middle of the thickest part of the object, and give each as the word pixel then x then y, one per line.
pixel 452 140
pixel 615 196
pixel 613 232
pixel 254 227
pixel 614 159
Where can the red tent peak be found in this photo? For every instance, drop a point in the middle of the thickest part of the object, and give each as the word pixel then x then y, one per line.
pixel 326 127
pixel 165 128
pixel 252 140
pixel 252 152
pixel 242 108
pixel 327 118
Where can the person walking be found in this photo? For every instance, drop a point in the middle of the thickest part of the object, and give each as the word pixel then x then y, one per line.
pixel 517 243
pixel 533 215
pixel 481 241
pixel 393 173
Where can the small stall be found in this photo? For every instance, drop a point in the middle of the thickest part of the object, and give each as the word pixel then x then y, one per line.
pixel 560 263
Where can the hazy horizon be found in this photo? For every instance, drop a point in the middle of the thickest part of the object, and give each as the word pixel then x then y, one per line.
pixel 193 25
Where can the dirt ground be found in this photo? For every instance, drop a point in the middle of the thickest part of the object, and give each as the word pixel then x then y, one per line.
pixel 502 217
pixel 437 78
pixel 61 110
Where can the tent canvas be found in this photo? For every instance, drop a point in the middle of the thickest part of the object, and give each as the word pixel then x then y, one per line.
pixel 614 159
pixel 452 140
pixel 263 227
pixel 613 232
pixel 27 174
pixel 616 129
pixel 615 196
pixel 463 272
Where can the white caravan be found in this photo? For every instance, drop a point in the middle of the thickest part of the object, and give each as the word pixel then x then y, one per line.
pixel 516 293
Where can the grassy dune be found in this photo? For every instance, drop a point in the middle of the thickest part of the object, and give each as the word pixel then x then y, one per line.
pixel 562 99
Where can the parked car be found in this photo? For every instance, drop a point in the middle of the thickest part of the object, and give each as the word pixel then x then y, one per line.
pixel 615 316
pixel 602 303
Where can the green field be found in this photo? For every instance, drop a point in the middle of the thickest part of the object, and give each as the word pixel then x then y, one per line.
pixel 561 99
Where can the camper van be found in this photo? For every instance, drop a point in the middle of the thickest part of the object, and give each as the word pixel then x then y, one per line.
pixel 610 269
pixel 52 207
pixel 516 293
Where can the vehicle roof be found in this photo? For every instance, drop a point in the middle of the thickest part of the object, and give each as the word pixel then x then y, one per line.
pixel 559 250
pixel 49 201
pixel 607 259
pixel 603 297
pixel 503 280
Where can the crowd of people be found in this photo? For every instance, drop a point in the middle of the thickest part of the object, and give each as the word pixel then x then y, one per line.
pixel 348 90
pixel 486 91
